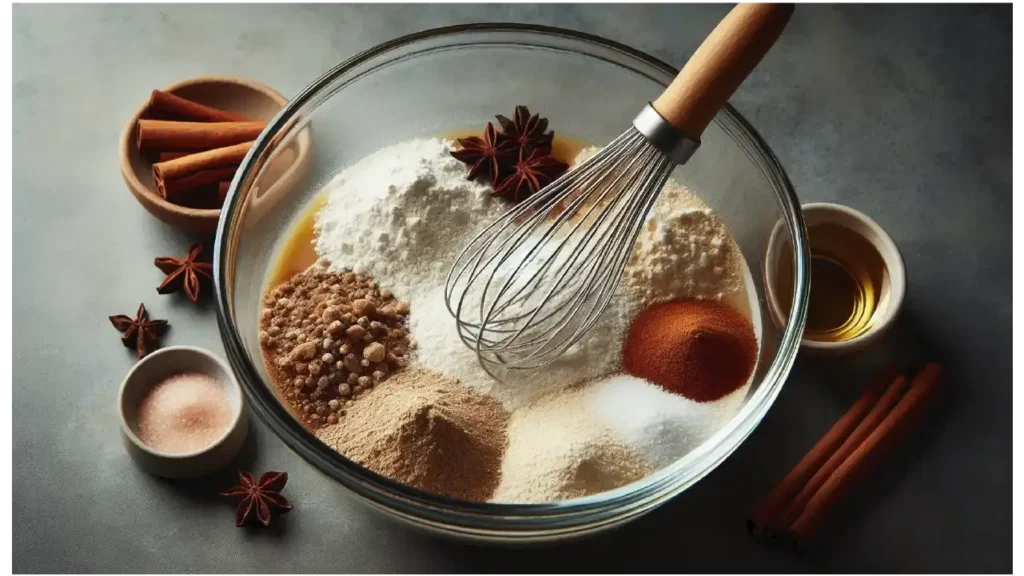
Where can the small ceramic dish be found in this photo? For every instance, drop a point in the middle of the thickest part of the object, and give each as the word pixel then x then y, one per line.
pixel 891 287
pixel 157 367
pixel 228 93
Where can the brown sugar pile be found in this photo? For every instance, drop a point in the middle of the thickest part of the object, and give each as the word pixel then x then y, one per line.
pixel 327 337
pixel 427 431
pixel 700 349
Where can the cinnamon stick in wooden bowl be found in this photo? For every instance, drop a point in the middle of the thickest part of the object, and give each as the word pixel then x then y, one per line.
pixel 178 174
pixel 192 129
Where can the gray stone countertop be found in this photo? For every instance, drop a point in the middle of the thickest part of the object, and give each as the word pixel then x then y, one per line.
pixel 902 112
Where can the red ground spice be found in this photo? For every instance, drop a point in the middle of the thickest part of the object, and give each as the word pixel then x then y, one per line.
pixel 700 349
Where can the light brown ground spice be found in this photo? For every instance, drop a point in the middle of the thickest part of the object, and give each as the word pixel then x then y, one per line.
pixel 428 431
pixel 326 337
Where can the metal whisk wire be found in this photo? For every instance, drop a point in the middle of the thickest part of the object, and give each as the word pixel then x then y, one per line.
pixel 528 287
pixel 573 237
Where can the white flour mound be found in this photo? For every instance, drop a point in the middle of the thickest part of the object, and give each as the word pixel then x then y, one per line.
pixel 402 214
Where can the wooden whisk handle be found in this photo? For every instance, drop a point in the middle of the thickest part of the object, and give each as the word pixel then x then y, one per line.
pixel 720 65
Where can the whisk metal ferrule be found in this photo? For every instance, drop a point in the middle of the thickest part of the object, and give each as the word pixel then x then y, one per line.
pixel 664 136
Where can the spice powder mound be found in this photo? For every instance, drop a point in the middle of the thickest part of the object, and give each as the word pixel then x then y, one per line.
pixel 558 450
pixel 329 336
pixel 428 431
pixel 700 349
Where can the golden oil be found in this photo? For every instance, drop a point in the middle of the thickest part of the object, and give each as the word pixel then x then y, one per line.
pixel 298 252
pixel 847 280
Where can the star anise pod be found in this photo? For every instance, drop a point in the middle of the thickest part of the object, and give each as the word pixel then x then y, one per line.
pixel 261 497
pixel 487 155
pixel 188 273
pixel 140 332
pixel 527 131
pixel 530 174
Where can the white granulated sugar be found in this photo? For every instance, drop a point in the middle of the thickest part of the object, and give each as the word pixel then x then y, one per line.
pixel 659 425
pixel 402 214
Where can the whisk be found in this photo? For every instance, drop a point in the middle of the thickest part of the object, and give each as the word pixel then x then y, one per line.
pixel 534 282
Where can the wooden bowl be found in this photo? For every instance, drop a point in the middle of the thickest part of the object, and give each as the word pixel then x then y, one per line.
pixel 223 92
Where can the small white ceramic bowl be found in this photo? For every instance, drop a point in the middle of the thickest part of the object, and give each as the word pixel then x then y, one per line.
pixel 155 368
pixel 894 282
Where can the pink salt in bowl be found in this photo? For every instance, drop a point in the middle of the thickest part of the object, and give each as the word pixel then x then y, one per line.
pixel 160 367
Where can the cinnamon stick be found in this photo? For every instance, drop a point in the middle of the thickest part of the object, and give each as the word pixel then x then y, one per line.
pixel 165 135
pixel 165 156
pixel 171 188
pixel 170 175
pixel 167 103
pixel 222 190
pixel 216 158
pixel 765 513
pixel 886 434
pixel 866 427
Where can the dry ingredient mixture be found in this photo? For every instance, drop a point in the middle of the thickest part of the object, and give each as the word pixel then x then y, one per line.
pixel 183 414
pixel 393 223
pixel 427 431
pixel 327 337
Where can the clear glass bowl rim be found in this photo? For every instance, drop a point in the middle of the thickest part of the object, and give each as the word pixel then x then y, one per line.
pixel 492 521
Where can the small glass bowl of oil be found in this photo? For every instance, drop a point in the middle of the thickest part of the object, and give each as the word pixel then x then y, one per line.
pixel 858 279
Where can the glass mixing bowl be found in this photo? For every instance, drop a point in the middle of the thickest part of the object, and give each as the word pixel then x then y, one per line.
pixel 456 78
